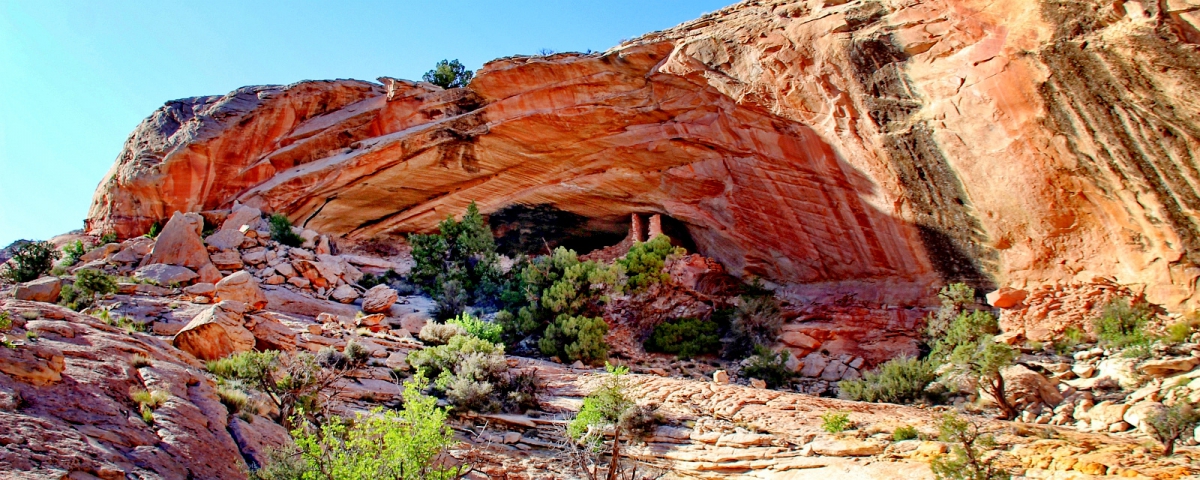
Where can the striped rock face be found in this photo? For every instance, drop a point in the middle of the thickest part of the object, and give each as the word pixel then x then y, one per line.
pixel 879 148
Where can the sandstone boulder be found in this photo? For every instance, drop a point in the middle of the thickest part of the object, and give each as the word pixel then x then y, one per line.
pixel 1169 366
pixel 1006 297
pixel 799 339
pixel 225 239
pixel 100 253
pixel 32 363
pixel 180 244
pixel 241 215
pixel 242 287
pixel 165 274
pixel 845 447
pixel 256 439
pixel 379 299
pixel 1137 414
pixel 217 332
pixel 344 294
pixel 1025 386
pixel 204 289
pixel 270 334
pixel 228 260
pixel 45 289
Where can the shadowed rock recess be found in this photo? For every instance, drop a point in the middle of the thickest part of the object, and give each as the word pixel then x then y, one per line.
pixel 822 145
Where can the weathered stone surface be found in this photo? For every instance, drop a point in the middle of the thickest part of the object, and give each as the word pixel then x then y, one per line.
pixel 1029 387
pixel 227 260
pixel 242 287
pixel 206 289
pixel 225 239
pixel 1006 297
pixel 180 244
pixel 257 439
pixel 379 299
pixel 845 447
pixel 216 333
pixel 166 274
pixel 344 294
pixel 864 141
pixel 100 253
pixel 32 363
pixel 45 289
pixel 1169 366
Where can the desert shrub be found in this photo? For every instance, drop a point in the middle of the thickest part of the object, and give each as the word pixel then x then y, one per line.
pixel 435 333
pixel 30 261
pixel 477 327
pixel 956 298
pixel 234 399
pixel 968 328
pixel 293 383
pixel 108 238
pixel 147 401
pixel 89 285
pixel 1122 324
pixel 768 366
pixel 644 263
pixel 1181 331
pixel 1171 423
pixel 551 285
pixel 369 280
pixel 472 374
pixel 72 251
pixel 281 231
pixel 384 444
pixel 449 74
pixel 835 422
pixel 5 321
pixel 756 321
pixel 1072 337
pixel 155 229
pixel 984 361
pixel 460 258
pixel 907 432
pixel 686 337
pixel 31 335
pixel 899 380
pixel 576 338
pixel 352 356
pixel 609 406
pixel 967 459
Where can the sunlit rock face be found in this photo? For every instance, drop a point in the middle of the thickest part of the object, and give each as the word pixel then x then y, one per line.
pixel 878 148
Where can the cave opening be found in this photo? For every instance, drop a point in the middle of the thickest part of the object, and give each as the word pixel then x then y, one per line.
pixel 539 229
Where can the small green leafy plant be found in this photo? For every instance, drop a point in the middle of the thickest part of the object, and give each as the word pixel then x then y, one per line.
pixel 967 459
pixel 449 74
pixel 900 380
pixel 30 261
pixel 281 231
pixel 1122 324
pixel 770 367
pixel 88 287
pixel 477 327
pixel 835 422
pixel 1171 423
pixel 72 251
pixel 644 262
pixel 147 401
pixel 907 432
pixel 576 338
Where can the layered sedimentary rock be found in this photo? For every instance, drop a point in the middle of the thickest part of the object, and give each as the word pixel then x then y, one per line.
pixel 809 142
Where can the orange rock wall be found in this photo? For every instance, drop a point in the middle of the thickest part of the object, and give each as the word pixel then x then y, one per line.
pixel 876 148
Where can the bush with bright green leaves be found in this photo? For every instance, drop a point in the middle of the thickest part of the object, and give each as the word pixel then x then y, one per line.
pixel 108 238
pixel 984 361
pixel 756 321
pixel 434 333
pixel 968 328
pixel 449 74
pixel 907 432
pixel 644 263
pixel 89 285
pixel 30 261
pixel 610 406
pixel 968 459
pixel 281 231
pixel 405 444
pixel 547 287
pixel 292 382
pixel 835 422
pixel 72 251
pixel 477 327
pixel 472 374
pixel 770 367
pixel 1122 324
pixel 458 266
pixel 900 380
pixel 687 337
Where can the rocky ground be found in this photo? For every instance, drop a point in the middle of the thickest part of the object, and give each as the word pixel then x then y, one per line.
pixel 66 410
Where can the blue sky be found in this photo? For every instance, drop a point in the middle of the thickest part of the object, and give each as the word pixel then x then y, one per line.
pixel 77 77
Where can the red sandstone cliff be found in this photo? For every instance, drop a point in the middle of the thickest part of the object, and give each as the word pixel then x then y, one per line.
pixel 846 144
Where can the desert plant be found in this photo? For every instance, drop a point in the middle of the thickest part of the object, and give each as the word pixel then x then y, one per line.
pixel 956 298
pixel 234 399
pixel 472 374
pixel 461 256
pixel 609 406
pixel 968 328
pixel 5 321
pixel 294 383
pixel 72 251
pixel 281 231
pixel 353 356
pixel 89 285
pixel 644 263
pixel 1181 331
pixel 1122 323
pixel 384 444
pixel 30 261
pixel 1172 422
pixel 435 333
pixel 576 338
pixel 449 74
pixel 155 229
pixel 31 335
pixel 476 327
pixel 756 321
pixel 907 432
pixel 899 380
pixel 835 422
pixel 686 337
pixel 147 401
pixel 968 448
pixel 108 238
pixel 985 361
pixel 770 367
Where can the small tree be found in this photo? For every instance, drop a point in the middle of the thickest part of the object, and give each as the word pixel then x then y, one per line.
pixel 756 321
pixel 1123 323
pixel 72 251
pixel 449 74
pixel 89 285
pixel 30 261
pixel 607 407
pixel 1171 423
pixel 388 445
pixel 281 231
pixel 985 361
pixel 968 448
pixel 644 262
pixel 576 338
pixel 294 383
